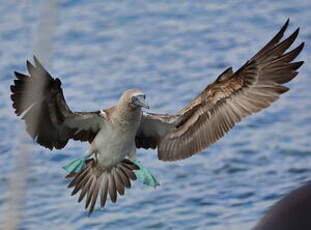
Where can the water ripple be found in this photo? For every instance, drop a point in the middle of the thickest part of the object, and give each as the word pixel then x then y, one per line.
pixel 171 50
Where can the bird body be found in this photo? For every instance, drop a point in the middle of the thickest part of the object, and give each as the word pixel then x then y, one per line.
pixel 112 144
pixel 115 133
pixel 116 139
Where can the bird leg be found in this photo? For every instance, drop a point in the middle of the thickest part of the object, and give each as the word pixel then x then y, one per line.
pixel 133 155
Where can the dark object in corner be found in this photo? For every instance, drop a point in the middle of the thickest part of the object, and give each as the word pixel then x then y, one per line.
pixel 292 212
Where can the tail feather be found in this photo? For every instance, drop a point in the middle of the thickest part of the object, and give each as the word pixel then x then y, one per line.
pixel 78 178
pixel 90 191
pixel 129 172
pixel 84 190
pixel 123 176
pixel 95 194
pixel 119 184
pixel 104 191
pixel 112 189
pixel 96 181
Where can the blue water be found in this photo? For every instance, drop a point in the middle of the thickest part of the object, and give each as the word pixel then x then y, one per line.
pixel 171 50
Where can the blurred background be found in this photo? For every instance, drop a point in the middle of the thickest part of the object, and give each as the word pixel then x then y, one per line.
pixel 171 50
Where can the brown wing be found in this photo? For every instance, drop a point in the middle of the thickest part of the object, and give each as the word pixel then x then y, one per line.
pixel 257 84
pixel 39 100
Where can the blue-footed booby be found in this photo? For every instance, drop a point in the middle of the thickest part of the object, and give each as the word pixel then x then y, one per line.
pixel 114 134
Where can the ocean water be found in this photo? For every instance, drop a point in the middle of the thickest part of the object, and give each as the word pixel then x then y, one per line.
pixel 171 50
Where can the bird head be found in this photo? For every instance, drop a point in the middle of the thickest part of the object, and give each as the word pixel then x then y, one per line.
pixel 135 99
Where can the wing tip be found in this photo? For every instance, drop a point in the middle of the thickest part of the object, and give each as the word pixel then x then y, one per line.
pixel 30 66
pixel 301 46
pixel 287 21
pixel 284 27
pixel 35 59
pixel 298 64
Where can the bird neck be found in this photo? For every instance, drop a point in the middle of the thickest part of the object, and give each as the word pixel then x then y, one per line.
pixel 126 114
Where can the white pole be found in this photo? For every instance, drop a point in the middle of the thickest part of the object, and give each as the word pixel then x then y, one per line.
pixel 43 47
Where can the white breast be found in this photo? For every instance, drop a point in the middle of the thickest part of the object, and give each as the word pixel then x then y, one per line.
pixel 114 142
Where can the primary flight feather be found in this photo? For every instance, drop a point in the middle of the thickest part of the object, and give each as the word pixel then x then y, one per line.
pixel 115 133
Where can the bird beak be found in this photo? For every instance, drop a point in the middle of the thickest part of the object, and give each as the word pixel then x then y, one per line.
pixel 140 101
pixel 143 104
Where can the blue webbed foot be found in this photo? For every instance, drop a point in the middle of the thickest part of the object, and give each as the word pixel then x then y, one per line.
pixel 76 165
pixel 145 176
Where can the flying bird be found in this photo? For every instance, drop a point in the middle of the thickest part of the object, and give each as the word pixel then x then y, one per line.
pixel 114 134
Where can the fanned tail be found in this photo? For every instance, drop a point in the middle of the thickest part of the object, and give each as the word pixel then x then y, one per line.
pixel 96 181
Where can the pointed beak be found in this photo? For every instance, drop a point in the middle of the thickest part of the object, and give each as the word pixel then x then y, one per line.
pixel 140 101
pixel 143 104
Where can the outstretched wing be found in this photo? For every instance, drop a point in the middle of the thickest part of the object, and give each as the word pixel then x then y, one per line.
pixel 233 96
pixel 39 100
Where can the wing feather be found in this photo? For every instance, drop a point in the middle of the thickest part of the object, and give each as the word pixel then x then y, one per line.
pixel 233 96
pixel 39 100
